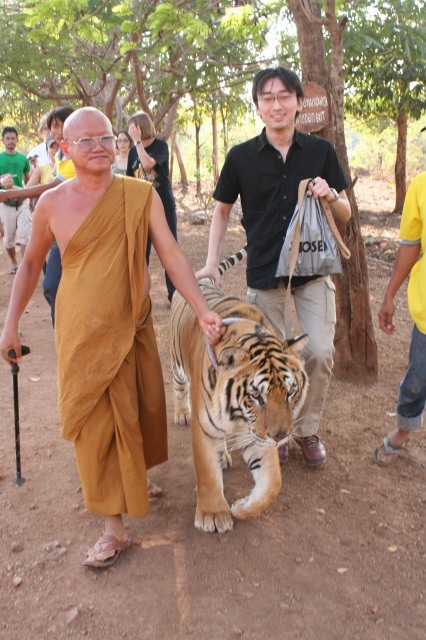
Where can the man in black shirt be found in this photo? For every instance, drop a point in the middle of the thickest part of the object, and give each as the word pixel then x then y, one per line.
pixel 265 172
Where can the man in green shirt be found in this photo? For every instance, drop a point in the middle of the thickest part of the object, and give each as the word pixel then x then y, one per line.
pixel 15 213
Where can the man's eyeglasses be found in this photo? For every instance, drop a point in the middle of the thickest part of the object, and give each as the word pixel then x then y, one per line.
pixel 88 144
pixel 282 98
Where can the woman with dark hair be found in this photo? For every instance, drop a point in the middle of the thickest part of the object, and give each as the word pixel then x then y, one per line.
pixel 149 160
pixel 123 144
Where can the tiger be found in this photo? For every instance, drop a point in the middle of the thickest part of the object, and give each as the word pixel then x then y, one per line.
pixel 247 390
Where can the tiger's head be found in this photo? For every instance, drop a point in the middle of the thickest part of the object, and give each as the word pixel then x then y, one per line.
pixel 259 384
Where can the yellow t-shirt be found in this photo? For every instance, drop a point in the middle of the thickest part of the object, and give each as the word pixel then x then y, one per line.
pixel 64 167
pixel 46 174
pixel 413 231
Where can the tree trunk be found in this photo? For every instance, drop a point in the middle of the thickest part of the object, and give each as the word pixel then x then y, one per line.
pixel 355 344
pixel 401 163
pixel 179 159
pixel 198 158
pixel 225 140
pixel 215 149
pixel 172 156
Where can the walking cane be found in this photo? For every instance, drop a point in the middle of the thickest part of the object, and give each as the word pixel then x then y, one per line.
pixel 15 370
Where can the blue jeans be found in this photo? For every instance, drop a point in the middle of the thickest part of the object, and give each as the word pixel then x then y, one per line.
pixel 52 278
pixel 412 390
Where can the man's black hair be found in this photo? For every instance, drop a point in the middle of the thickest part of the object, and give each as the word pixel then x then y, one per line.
pixel 9 130
pixel 289 79
pixel 59 113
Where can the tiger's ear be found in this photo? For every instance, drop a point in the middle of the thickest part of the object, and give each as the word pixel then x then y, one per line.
pixel 232 357
pixel 295 345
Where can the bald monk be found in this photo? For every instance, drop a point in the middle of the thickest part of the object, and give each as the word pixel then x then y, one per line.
pixel 110 386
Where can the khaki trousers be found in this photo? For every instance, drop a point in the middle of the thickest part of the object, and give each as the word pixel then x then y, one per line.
pixel 17 222
pixel 316 314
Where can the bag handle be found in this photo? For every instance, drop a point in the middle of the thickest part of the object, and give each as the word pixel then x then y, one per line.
pixel 294 251
pixel 334 230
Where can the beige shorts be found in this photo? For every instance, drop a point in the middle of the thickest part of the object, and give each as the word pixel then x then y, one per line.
pixel 17 223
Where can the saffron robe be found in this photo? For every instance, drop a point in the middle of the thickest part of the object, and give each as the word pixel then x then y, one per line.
pixel 110 384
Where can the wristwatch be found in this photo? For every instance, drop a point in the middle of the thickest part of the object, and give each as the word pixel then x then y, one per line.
pixel 137 142
pixel 335 194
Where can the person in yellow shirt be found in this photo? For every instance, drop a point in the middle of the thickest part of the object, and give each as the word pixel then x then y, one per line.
pixel 44 173
pixel 410 261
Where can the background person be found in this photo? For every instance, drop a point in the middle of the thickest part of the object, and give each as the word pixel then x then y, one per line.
pixel 44 173
pixel 40 153
pixel 149 160
pixel 123 144
pixel 64 170
pixel 265 172
pixel 14 210
pixel 410 261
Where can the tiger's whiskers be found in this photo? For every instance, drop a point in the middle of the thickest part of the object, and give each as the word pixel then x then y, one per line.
pixel 240 440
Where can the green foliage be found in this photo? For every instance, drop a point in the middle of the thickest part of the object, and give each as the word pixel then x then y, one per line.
pixel 385 59
pixel 81 51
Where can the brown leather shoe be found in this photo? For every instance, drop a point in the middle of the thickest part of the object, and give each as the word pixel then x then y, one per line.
pixel 283 453
pixel 313 450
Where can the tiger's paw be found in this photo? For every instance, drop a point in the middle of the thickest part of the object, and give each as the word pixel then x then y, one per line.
pixel 182 417
pixel 241 510
pixel 214 522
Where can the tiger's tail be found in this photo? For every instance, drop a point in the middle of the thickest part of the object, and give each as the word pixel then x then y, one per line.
pixel 230 261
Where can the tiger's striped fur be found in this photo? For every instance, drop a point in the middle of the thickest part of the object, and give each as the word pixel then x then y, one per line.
pixel 248 391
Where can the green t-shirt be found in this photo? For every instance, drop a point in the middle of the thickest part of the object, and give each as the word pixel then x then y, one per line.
pixel 17 164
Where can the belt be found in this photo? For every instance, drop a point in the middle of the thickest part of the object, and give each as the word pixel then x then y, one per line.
pixel 13 202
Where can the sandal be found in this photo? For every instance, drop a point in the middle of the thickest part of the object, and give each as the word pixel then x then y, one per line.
pixel 389 451
pixel 106 543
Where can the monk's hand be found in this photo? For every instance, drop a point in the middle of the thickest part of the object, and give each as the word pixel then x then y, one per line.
pixel 10 340
pixel 212 327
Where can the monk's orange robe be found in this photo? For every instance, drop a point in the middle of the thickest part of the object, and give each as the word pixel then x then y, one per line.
pixel 110 384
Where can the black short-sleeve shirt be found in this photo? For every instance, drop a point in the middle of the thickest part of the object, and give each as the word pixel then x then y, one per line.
pixel 159 150
pixel 268 186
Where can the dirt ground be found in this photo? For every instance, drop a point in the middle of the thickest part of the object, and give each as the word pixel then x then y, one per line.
pixel 340 554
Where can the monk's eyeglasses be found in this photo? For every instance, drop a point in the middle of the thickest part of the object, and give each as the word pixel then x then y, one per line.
pixel 88 144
